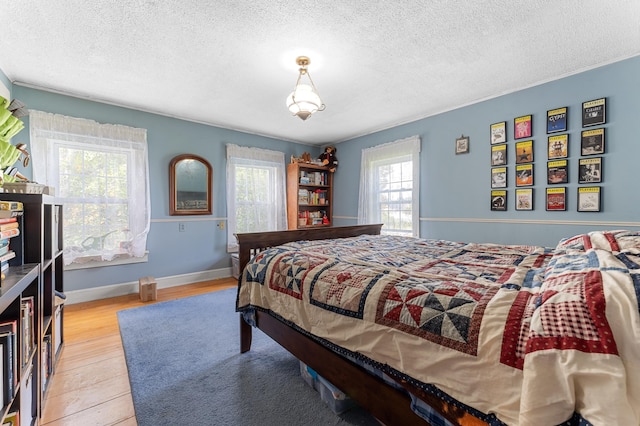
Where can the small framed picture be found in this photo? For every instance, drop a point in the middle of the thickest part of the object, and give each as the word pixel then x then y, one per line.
pixel 590 170
pixel 523 127
pixel 499 155
pixel 556 199
pixel 557 172
pixel 498 177
pixel 462 145
pixel 499 132
pixel 524 175
pixel 557 120
pixel 592 142
pixel 524 199
pixel 558 146
pixel 594 112
pixel 524 152
pixel 498 200
pixel 589 199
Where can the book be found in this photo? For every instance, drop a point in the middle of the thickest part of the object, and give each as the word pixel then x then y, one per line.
pixel 8 219
pixel 303 196
pixel 26 396
pixel 26 328
pixel 8 340
pixel 11 205
pixel 7 256
pixel 9 233
pixel 6 214
pixel 8 226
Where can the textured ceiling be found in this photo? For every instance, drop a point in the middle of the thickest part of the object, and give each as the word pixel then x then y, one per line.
pixel 376 64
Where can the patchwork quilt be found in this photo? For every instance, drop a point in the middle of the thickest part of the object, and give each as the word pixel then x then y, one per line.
pixel 529 334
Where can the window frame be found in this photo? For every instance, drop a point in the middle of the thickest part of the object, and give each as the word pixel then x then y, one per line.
pixel 372 160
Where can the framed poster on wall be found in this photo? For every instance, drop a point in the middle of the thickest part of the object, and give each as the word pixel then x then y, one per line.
pixel 558 146
pixel 498 132
pixel 523 127
pixel 556 199
pixel 499 177
pixel 499 155
pixel 592 142
pixel 524 152
pixel 594 112
pixel 524 199
pixel 557 120
pixel 557 172
pixel 590 170
pixel 589 199
pixel 524 175
pixel 498 200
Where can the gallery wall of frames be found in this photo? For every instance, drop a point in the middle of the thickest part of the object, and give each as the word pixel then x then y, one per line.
pixel 570 154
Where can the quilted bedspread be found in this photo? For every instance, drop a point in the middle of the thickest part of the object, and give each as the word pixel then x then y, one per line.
pixel 528 333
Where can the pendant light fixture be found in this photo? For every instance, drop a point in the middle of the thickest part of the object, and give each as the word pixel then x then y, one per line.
pixel 304 100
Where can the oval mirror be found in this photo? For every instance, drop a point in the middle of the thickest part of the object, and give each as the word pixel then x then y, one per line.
pixel 190 179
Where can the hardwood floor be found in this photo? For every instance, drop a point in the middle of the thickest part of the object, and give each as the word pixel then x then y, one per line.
pixel 90 385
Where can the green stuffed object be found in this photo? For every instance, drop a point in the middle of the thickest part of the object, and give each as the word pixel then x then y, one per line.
pixel 10 125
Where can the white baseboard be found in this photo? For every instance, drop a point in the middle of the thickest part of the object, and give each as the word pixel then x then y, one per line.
pixel 104 292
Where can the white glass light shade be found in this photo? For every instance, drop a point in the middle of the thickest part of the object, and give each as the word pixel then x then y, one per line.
pixel 304 101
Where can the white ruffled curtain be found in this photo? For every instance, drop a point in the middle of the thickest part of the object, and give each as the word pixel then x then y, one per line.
pixel 261 199
pixel 49 132
pixel 391 152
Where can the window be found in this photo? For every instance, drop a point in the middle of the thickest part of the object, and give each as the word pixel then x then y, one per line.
pixel 255 191
pixel 100 173
pixel 389 186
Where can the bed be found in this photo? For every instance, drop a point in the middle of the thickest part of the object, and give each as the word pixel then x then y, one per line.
pixel 431 331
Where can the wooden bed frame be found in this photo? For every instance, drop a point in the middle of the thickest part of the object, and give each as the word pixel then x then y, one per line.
pixel 389 405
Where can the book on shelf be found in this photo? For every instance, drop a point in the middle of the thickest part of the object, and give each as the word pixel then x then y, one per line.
pixel 4 246
pixel 10 209
pixel 8 340
pixel 9 233
pixel 9 225
pixel 9 219
pixel 11 205
pixel 303 196
pixel 10 214
pixel 26 328
pixel 26 396
pixel 10 254
pixel 47 361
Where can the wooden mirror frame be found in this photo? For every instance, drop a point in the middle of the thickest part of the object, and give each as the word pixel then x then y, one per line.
pixel 174 209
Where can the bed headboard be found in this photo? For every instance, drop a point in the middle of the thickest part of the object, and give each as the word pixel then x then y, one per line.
pixel 254 242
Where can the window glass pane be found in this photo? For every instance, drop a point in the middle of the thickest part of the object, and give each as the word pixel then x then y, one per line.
pixel 395 196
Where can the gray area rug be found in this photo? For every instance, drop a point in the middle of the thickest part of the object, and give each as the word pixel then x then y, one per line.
pixel 185 369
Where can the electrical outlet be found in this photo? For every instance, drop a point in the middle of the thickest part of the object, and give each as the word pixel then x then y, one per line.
pixel 180 226
pixel 221 225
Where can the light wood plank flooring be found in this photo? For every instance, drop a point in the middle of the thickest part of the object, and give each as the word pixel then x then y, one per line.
pixel 90 385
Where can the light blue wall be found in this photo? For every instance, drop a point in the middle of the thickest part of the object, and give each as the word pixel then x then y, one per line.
pixel 202 246
pixel 455 189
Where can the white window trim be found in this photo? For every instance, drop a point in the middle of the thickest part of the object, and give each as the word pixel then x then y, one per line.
pixel 368 211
